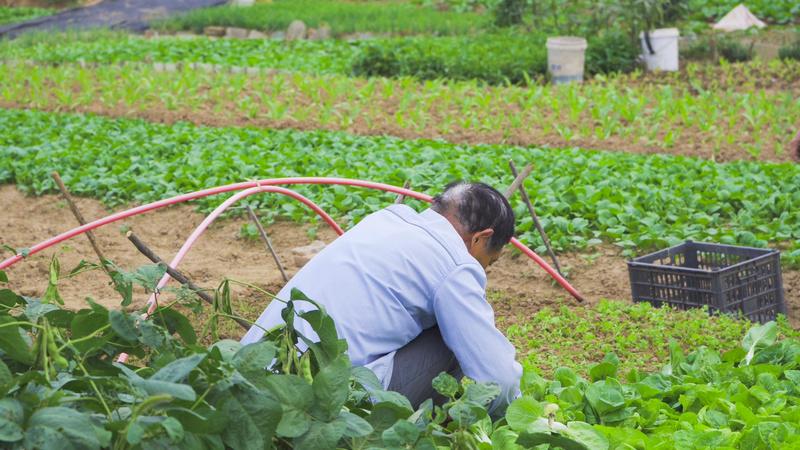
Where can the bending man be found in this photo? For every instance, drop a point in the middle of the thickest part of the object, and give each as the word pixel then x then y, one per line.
pixel 407 292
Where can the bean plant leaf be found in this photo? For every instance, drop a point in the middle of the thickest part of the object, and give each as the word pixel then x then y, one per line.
pixel 321 435
pixel 3 277
pixel 174 322
pixel 59 427
pixel 252 360
pixel 252 419
pixel 11 341
pixel 9 298
pixel 12 416
pixel 332 386
pixel 179 369
pixel 403 433
pixel 355 426
pixel 124 325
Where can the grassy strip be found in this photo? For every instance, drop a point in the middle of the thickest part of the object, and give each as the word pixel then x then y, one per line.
pixel 342 17
pixel 579 337
pixel 497 58
pixel 19 14
pixel 619 113
pixel 638 202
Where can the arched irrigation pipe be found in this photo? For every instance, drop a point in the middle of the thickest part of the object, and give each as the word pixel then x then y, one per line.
pixel 267 182
pixel 192 239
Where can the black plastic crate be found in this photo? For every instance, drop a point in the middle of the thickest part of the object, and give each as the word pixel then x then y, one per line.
pixel 725 278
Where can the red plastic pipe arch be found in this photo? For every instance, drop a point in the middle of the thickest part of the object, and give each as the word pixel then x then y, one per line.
pixel 262 183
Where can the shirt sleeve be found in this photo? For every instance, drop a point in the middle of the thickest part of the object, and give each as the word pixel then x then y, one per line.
pixel 466 321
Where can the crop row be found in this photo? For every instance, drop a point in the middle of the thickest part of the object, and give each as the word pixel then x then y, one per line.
pixel 10 15
pixel 62 387
pixel 497 58
pixel 341 17
pixel 321 57
pixel 619 113
pixel 584 197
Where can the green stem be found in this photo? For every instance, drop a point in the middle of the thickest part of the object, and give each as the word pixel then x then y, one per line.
pixel 95 388
pixel 85 338
pixel 32 325
pixel 202 397
pixel 252 286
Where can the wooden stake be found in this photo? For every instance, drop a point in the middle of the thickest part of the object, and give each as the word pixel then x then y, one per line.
pixel 536 222
pixel 518 180
pixel 266 240
pixel 174 273
pixel 77 213
pixel 401 197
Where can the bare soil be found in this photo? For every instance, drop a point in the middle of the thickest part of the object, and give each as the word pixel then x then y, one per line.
pixel 517 286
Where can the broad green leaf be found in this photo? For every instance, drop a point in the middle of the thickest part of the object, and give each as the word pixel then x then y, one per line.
pixel 60 428
pixel 124 325
pixel 321 435
pixel 252 419
pixel 522 412
pixel 402 433
pixel 227 348
pixel 482 393
pixel 586 434
pixel 252 359
pixel 759 336
pixel 332 386
pixel 174 321
pixel 179 369
pixel 446 385
pixel 6 378
pixel 12 416
pixel 566 376
pixel 12 343
pixel 503 438
pixel 605 397
pixel 9 298
pixel 173 428
pixel 177 390
pixel 355 426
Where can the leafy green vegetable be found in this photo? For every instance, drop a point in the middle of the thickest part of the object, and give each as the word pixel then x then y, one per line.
pixel 637 202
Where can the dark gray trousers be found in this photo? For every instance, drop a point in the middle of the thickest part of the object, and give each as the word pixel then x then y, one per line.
pixel 418 363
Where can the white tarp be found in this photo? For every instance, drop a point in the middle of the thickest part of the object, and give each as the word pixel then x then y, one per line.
pixel 740 18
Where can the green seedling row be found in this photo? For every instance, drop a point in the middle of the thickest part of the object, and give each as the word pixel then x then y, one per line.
pixel 584 197
pixel 9 15
pixel 322 57
pixel 341 17
pixel 619 112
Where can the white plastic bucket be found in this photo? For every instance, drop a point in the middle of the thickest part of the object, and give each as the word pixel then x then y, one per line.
pixel 565 59
pixel 665 50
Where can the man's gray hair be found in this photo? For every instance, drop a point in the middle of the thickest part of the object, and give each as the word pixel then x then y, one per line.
pixel 478 206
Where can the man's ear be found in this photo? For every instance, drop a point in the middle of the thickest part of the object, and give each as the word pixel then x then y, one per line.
pixel 487 233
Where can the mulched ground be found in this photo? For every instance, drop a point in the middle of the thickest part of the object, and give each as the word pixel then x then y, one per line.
pixel 121 14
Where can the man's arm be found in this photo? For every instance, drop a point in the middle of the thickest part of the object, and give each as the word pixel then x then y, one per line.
pixel 466 321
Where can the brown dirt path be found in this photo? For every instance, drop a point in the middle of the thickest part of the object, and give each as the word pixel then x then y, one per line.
pixel 516 287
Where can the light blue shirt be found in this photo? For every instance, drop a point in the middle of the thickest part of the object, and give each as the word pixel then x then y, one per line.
pixel 395 274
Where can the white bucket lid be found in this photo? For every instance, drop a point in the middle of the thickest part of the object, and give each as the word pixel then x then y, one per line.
pixel 662 33
pixel 567 43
